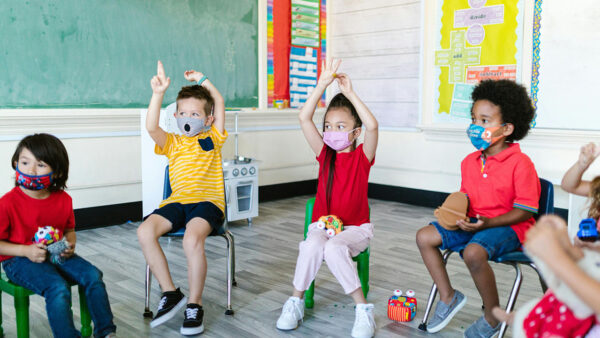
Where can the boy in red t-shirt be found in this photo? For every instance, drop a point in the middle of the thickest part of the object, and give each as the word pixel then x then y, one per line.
pixel 503 190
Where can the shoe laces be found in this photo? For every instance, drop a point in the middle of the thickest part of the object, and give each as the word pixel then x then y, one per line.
pixel 362 317
pixel 191 313
pixel 162 302
pixel 291 307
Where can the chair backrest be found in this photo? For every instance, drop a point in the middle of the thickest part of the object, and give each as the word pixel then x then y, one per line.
pixel 166 184
pixel 546 204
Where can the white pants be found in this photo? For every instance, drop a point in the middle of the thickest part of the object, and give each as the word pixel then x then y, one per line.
pixel 336 251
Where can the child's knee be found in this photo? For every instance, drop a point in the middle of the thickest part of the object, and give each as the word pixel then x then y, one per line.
pixel 334 250
pixel 474 256
pixel 193 242
pixel 428 236
pixel 148 231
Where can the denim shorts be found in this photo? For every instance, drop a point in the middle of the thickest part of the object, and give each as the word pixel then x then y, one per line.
pixel 496 241
pixel 180 214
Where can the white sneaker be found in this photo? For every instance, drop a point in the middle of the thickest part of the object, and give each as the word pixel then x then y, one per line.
pixel 291 314
pixel 364 324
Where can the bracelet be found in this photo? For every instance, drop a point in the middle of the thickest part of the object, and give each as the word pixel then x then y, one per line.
pixel 202 80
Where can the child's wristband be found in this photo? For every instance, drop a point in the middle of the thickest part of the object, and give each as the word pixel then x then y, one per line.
pixel 202 80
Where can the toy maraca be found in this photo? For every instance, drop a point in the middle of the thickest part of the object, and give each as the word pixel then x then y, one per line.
pixel 331 223
pixel 402 308
pixel 50 236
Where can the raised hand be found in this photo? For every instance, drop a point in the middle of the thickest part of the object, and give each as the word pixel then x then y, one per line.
pixel 588 154
pixel 344 83
pixel 192 75
pixel 328 71
pixel 36 252
pixel 160 82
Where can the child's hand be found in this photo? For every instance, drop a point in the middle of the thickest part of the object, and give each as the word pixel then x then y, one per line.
pixel 471 227
pixel 587 245
pixel 192 75
pixel 68 251
pixel 344 83
pixel 160 82
pixel 36 252
pixel 542 241
pixel 588 154
pixel 328 70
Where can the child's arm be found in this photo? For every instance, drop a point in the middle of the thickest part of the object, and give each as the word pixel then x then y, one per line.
pixel 219 108
pixel 311 133
pixel 72 240
pixel 544 242
pixel 35 252
pixel 512 217
pixel 572 182
pixel 159 84
pixel 367 118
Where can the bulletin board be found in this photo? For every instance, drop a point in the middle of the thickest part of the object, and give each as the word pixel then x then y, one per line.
pixel 476 40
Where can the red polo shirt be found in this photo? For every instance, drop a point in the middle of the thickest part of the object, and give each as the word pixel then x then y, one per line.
pixel 497 184
pixel 21 215
pixel 349 193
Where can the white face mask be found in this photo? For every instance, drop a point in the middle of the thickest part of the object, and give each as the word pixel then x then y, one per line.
pixel 190 126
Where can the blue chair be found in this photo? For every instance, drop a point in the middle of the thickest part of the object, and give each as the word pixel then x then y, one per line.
pixel 515 259
pixel 223 231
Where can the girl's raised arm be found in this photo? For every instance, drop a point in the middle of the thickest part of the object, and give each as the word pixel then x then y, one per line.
pixel 311 133
pixel 572 182
pixel 367 118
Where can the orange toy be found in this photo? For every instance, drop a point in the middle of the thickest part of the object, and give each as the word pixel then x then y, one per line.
pixel 331 223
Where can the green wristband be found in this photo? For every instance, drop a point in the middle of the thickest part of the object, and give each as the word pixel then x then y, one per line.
pixel 202 80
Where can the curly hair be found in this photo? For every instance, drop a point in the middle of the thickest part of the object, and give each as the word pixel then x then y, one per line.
pixel 595 198
pixel 515 105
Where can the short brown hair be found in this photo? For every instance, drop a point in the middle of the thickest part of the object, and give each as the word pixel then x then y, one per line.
pixel 199 93
pixel 51 150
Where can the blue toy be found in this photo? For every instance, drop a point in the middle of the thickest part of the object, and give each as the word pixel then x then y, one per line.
pixel 587 230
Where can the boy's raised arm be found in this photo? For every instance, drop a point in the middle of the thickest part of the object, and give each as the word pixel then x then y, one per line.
pixel 219 108
pixel 159 84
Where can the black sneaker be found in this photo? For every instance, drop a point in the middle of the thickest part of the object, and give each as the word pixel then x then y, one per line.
pixel 192 324
pixel 170 303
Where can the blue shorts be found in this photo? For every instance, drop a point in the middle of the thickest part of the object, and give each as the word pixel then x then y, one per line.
pixel 180 214
pixel 496 241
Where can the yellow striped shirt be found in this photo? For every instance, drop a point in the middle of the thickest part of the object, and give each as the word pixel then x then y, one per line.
pixel 195 167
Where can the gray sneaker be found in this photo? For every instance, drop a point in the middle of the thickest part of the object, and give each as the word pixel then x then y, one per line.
pixel 481 329
pixel 443 312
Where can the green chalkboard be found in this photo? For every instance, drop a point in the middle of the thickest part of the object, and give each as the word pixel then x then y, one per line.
pixel 103 53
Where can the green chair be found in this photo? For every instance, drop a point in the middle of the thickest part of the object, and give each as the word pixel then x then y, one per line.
pixel 362 262
pixel 21 298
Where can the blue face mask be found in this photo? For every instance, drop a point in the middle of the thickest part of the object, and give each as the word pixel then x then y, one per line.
pixel 481 137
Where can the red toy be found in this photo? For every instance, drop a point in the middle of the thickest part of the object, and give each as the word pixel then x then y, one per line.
pixel 402 308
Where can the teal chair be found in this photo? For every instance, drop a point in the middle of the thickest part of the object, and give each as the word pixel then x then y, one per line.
pixel 362 262
pixel 21 298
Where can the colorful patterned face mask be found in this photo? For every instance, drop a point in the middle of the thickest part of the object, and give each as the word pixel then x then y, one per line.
pixel 33 182
pixel 482 138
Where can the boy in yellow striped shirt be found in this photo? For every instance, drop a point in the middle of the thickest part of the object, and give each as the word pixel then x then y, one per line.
pixel 197 198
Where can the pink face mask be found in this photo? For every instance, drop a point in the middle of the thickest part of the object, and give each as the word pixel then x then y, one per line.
pixel 337 140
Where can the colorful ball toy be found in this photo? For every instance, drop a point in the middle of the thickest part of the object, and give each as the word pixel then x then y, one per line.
pixel 46 235
pixel 402 308
pixel 331 223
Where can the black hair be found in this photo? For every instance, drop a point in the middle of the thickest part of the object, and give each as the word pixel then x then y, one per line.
pixel 51 150
pixel 339 101
pixel 199 93
pixel 515 105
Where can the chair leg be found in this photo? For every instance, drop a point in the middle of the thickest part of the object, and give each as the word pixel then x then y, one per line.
pixel 513 296
pixel 147 312
pixel 86 318
pixel 309 301
pixel 1 329
pixel 432 295
pixel 542 281
pixel 229 240
pixel 22 314
pixel 233 281
pixel 363 273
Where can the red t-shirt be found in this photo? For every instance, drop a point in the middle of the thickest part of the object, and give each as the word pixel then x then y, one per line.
pixel 21 215
pixel 349 194
pixel 497 184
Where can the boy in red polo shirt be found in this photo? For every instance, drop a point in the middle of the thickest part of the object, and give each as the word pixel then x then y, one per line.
pixel 503 190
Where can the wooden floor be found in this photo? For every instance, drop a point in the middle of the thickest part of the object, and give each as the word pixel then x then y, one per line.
pixel 266 255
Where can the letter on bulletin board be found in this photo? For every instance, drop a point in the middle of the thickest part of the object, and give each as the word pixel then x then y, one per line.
pixel 476 40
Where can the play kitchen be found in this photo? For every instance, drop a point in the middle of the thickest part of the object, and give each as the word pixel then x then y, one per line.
pixel 241 183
